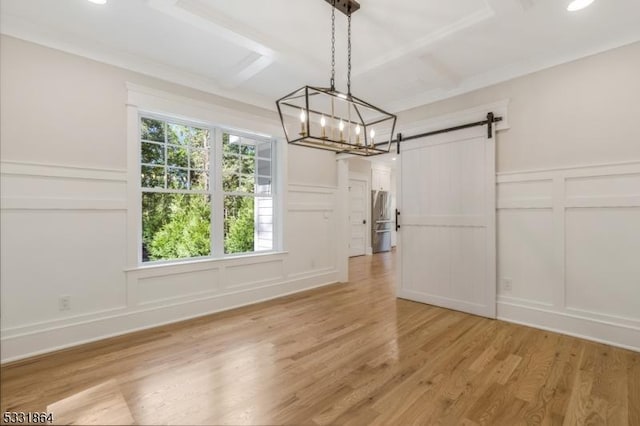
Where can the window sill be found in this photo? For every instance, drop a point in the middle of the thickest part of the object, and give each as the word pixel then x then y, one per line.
pixel 247 258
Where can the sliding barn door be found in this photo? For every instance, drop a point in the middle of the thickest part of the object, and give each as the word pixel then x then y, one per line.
pixel 447 238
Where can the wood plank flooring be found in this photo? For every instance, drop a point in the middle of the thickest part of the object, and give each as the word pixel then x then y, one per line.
pixel 349 354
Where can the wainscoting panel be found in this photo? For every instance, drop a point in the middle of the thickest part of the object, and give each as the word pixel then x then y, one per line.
pixel 32 186
pixel 47 255
pixel 312 209
pixel 183 285
pixel 64 233
pixel 568 250
pixel 254 274
pixel 525 254
pixel 603 261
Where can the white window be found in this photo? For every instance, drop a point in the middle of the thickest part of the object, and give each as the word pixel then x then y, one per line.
pixel 192 174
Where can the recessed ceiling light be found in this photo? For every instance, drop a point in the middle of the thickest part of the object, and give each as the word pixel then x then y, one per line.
pixel 393 159
pixel 578 4
pixel 98 1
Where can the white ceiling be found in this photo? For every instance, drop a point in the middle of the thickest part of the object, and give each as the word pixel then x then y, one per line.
pixel 406 52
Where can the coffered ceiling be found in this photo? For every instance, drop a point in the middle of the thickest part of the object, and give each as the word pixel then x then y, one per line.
pixel 405 52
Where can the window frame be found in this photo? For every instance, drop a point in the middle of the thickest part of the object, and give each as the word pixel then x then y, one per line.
pixel 215 192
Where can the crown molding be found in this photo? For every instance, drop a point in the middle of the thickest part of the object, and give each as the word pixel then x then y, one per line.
pixel 506 73
pixel 18 28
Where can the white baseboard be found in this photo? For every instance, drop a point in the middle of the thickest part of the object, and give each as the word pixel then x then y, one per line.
pixel 620 335
pixel 49 339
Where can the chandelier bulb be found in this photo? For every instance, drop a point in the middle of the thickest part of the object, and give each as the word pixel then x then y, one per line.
pixel 323 123
pixel 303 119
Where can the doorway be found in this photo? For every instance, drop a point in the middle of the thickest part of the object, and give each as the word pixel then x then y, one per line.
pixel 358 223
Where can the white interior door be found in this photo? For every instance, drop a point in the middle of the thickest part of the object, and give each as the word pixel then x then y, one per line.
pixel 447 237
pixel 358 216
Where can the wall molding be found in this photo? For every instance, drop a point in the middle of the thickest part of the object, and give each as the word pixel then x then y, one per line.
pixel 31 174
pixel 51 170
pixel 310 207
pixel 584 327
pixel 305 187
pixel 525 203
pixel 602 201
pixel 306 205
pixel 17 203
pixel 523 302
pixel 582 170
pixel 23 342
pixel 610 186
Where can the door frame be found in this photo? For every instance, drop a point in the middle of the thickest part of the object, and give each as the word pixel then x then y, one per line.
pixel 367 208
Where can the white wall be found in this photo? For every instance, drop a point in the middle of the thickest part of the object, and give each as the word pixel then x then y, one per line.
pixel 568 195
pixel 65 210
pixel 582 112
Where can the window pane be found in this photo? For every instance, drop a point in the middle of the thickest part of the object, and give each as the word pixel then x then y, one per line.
pixel 197 138
pixel 175 226
pixel 264 167
pixel 177 178
pixel 230 182
pixel 152 153
pixel 152 130
pixel 248 150
pixel 238 183
pixel 264 150
pixel 199 159
pixel 264 185
pixel 200 138
pixel 230 144
pixel 239 224
pixel 152 177
pixel 231 163
pixel 177 156
pixel 199 180
pixel 177 134
pixel 247 184
pixel 248 165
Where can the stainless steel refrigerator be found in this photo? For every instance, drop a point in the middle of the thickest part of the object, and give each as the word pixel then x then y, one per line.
pixel 380 221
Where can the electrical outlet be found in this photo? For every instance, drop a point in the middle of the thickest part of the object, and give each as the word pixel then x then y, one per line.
pixel 507 284
pixel 64 303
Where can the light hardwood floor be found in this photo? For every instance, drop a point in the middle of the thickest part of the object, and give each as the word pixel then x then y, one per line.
pixel 342 354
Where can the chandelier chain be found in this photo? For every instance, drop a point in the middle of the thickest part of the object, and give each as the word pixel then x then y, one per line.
pixel 349 54
pixel 333 46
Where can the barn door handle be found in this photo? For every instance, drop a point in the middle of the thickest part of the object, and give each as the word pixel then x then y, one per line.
pixel 397 221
